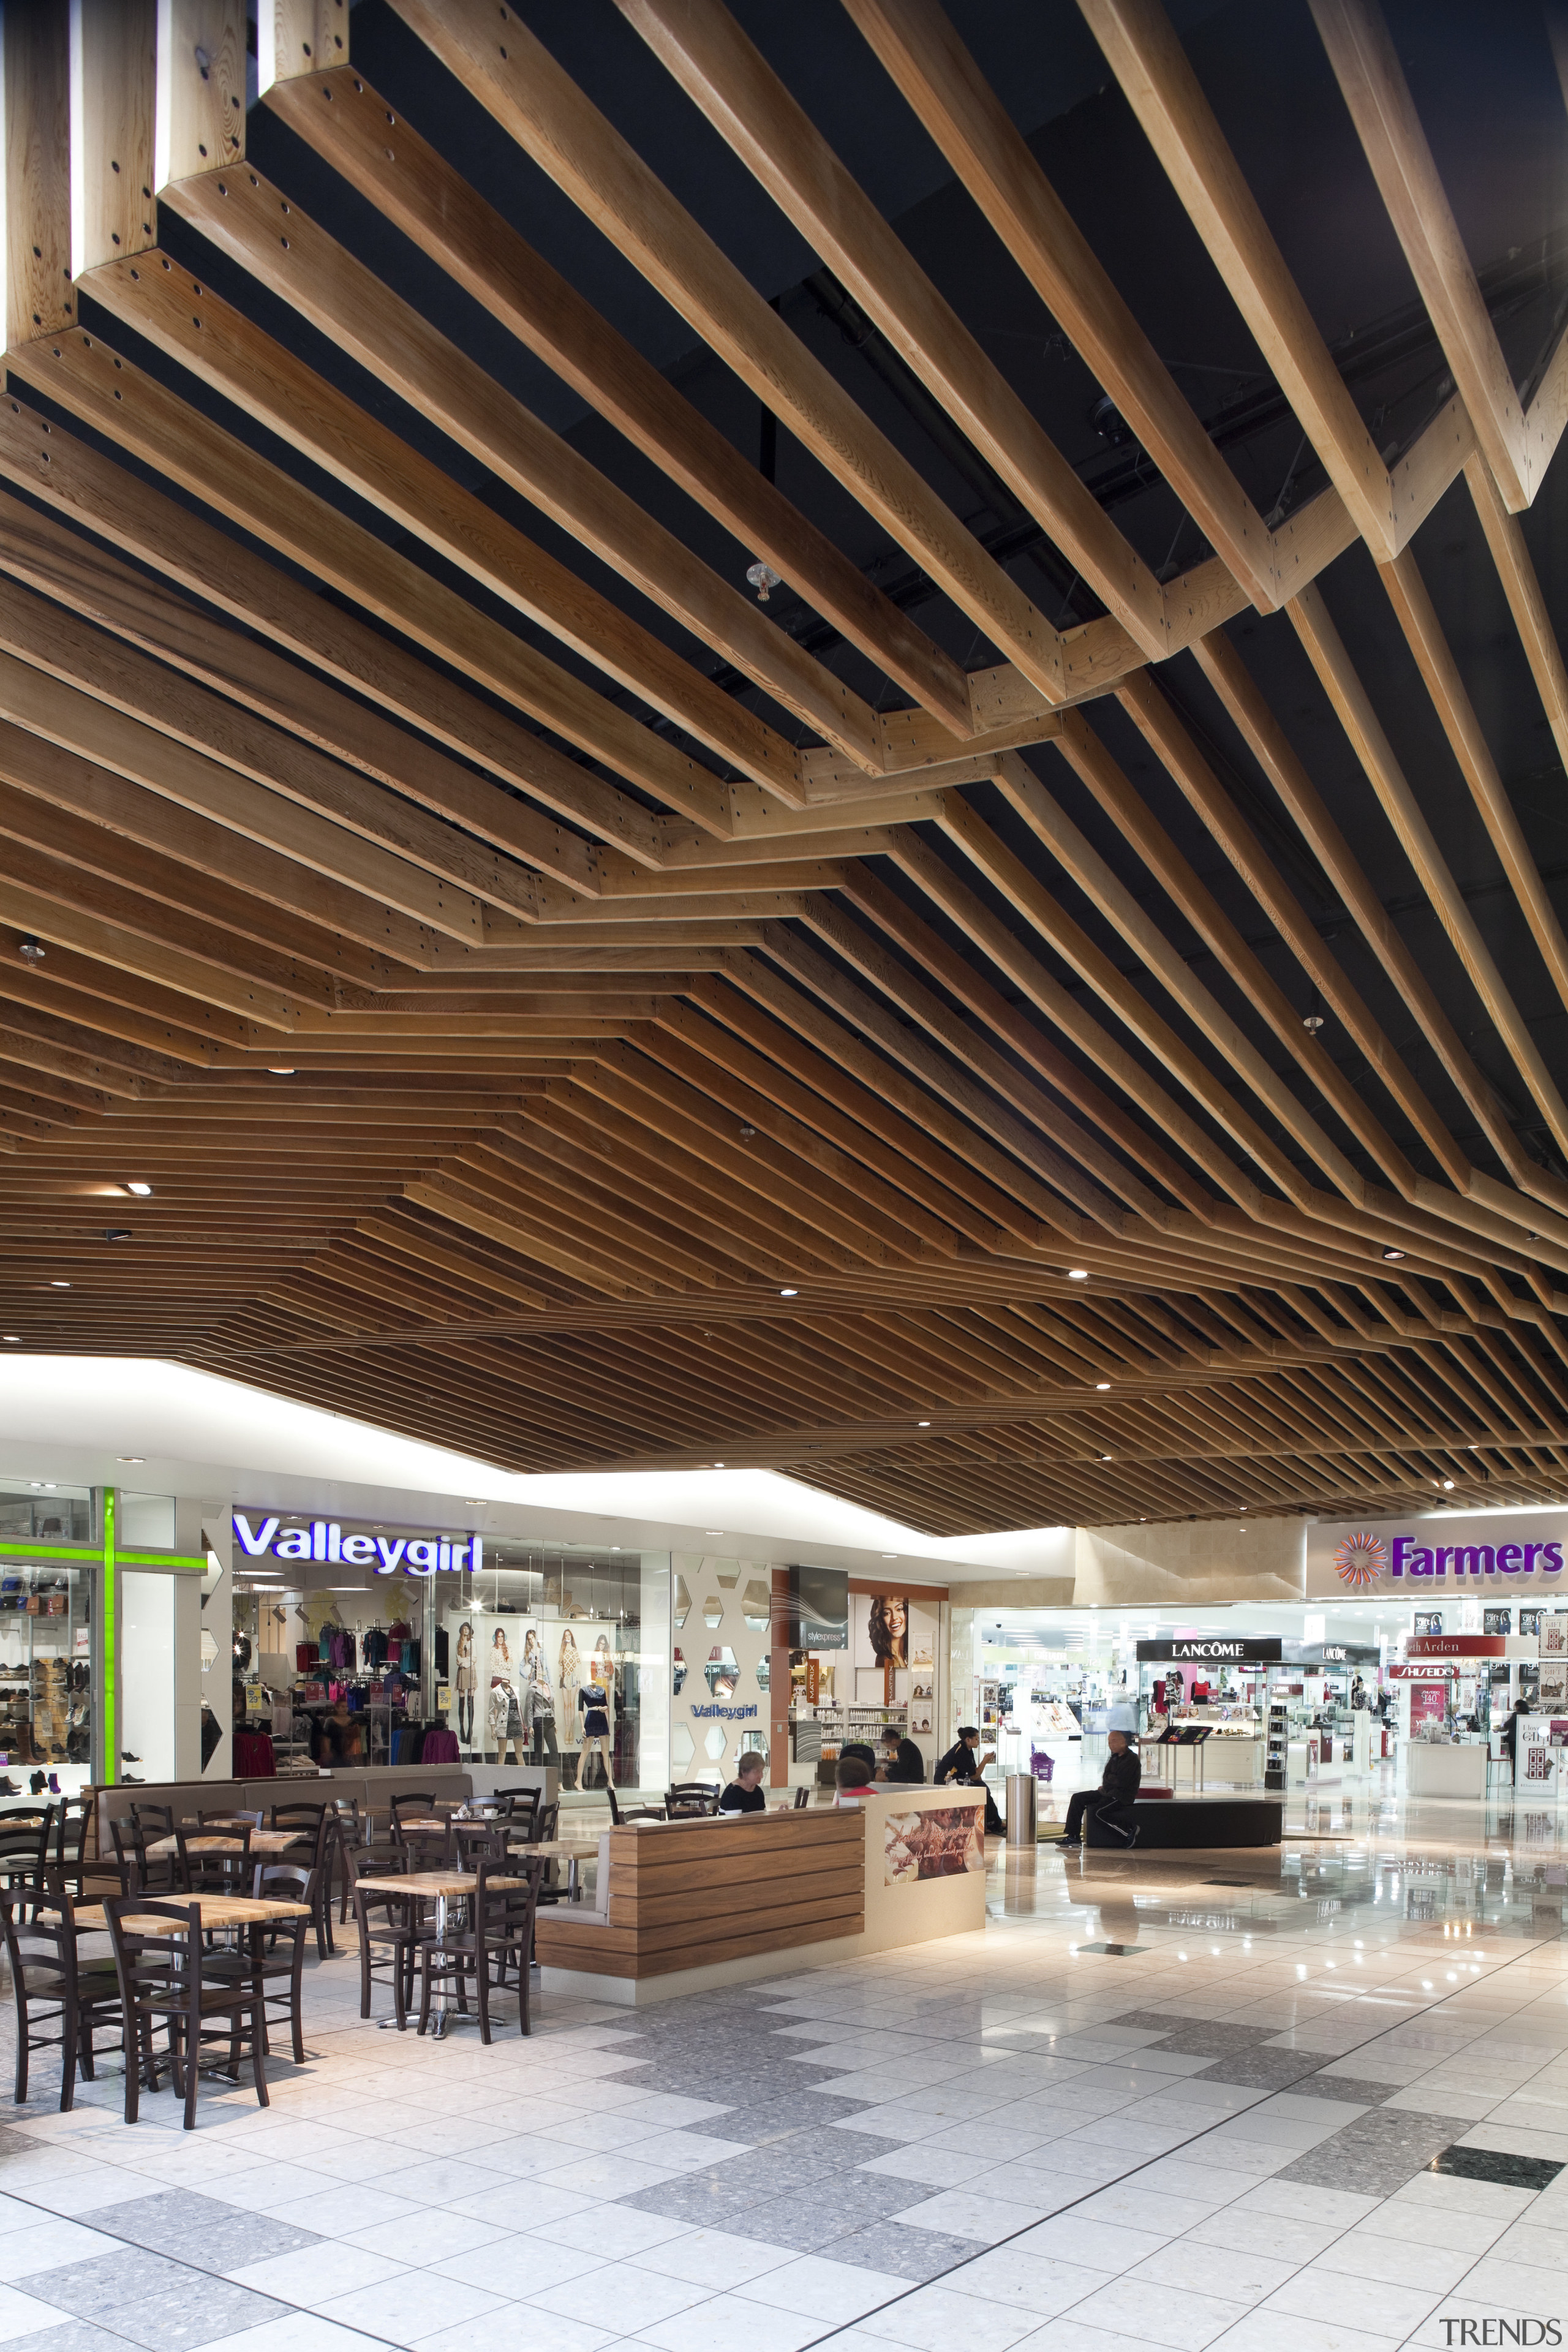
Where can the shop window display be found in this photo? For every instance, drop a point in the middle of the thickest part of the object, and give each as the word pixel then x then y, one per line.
pixel 47 1655
pixel 713 1612
pixel 722 1671
pixel 715 1742
pixel 755 1606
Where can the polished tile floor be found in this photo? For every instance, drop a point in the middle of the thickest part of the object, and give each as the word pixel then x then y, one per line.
pixel 1313 2099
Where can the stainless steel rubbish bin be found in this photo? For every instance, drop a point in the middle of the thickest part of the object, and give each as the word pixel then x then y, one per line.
pixel 1022 1797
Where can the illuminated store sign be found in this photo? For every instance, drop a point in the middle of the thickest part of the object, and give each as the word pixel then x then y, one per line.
pixel 1263 1650
pixel 264 1536
pixel 1413 1558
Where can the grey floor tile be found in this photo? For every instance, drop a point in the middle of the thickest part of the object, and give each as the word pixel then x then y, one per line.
pixel 913 2254
pixel 1376 2153
pixel 702 2198
pixel 1344 2087
pixel 1255 2069
pixel 201 2231
pixel 163 2305
pixel 71 2336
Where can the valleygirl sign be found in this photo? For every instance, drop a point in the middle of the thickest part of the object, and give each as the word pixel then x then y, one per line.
pixel 264 1536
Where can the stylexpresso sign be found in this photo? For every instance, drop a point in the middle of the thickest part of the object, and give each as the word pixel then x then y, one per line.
pixel 267 1535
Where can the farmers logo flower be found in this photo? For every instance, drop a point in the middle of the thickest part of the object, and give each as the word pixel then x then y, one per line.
pixel 1359 1561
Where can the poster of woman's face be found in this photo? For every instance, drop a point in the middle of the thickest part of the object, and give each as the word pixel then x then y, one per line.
pixel 888 1625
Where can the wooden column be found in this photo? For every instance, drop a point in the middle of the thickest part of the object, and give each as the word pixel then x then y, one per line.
pixel 778 1682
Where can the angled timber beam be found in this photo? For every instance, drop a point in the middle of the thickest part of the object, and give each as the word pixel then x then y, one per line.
pixel 267 233
pixel 1265 739
pixel 411 184
pixel 297 37
pixel 165 433
pixel 1354 706
pixel 1148 60
pixel 725 74
pixel 186 321
pixel 99 698
pixel 921 48
pixel 79 482
pixel 1408 594
pixel 1372 82
pixel 514 77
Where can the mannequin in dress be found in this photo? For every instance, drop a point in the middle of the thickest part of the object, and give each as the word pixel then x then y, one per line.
pixel 505 1717
pixel 568 1681
pixel 596 1699
pixel 539 1701
pixel 465 1681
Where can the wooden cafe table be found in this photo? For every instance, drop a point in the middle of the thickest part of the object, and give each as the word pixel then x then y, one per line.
pixel 443 1887
pixel 267 1845
pixel 218 1912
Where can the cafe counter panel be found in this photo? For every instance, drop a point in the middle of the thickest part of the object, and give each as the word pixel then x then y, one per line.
pixel 682 1905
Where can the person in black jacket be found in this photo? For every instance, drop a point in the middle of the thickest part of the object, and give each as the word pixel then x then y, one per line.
pixel 964 1764
pixel 902 1760
pixel 1112 1803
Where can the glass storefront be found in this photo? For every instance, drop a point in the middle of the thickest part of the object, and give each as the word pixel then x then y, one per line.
pixel 1265 1695
pixel 45 1639
pixel 354 1641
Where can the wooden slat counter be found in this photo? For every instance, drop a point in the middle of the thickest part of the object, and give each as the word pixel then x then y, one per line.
pixel 681 1904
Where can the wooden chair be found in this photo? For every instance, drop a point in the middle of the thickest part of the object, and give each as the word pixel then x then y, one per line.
pixel 277 1958
pixel 161 1983
pixel 409 1803
pixel 319 1824
pixel 205 1869
pixel 25 1849
pixel 691 1800
pixel 500 1932
pixel 348 1837
pixel 802 1798
pixel 389 1931
pixel 476 1842
pixel 53 1988
pixel 149 1825
pixel 621 1815
pixel 423 1849
pixel 73 1818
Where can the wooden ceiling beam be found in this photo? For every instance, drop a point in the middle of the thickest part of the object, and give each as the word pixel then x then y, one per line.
pixel 268 233
pixel 1353 708
pixel 1372 82
pixel 727 77
pixel 523 88
pixel 409 182
pixel 1144 52
pixel 92 584
pixel 165 433
pixel 182 317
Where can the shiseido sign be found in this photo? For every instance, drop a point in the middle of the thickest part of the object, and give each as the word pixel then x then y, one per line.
pixel 266 1535
pixel 1262 1651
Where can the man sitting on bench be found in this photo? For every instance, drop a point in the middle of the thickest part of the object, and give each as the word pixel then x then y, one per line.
pixel 1109 1805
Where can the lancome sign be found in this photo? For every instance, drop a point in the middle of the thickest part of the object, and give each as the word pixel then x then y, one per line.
pixel 267 1535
